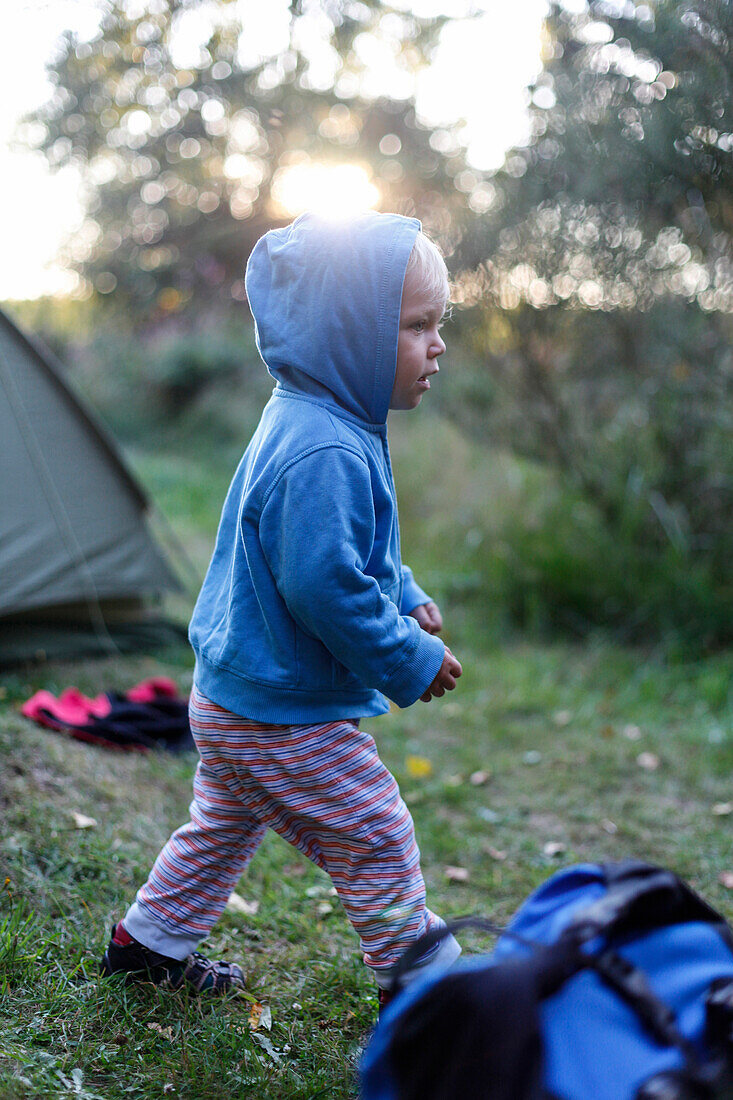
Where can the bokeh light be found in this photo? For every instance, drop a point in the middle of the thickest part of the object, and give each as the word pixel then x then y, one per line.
pixel 334 191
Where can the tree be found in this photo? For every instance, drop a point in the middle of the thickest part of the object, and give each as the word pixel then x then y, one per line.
pixel 181 165
pixel 602 271
pixel 623 193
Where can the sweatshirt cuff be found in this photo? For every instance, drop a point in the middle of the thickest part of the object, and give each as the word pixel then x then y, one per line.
pixel 412 593
pixel 412 677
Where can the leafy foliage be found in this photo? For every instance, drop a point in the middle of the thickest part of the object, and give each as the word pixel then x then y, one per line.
pixel 595 269
pixel 161 382
pixel 632 413
pixel 623 194
pixel 182 165
pixel 604 271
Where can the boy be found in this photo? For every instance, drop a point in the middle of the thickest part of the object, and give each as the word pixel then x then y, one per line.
pixel 307 618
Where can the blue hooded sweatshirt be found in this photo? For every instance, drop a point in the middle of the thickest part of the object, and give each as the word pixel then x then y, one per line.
pixel 303 615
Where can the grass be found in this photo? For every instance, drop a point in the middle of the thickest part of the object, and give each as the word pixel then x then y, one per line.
pixel 533 764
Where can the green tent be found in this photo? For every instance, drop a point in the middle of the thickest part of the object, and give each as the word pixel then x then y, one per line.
pixel 79 569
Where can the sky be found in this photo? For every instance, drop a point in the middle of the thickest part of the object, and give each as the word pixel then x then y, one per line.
pixel 479 74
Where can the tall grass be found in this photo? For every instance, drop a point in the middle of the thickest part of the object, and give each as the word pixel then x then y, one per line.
pixel 523 539
pixel 554 731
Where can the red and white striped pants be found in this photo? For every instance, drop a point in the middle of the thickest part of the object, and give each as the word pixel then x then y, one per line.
pixel 321 787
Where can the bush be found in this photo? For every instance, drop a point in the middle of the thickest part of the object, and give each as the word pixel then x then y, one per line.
pixel 561 567
pixel 630 414
pixel 157 383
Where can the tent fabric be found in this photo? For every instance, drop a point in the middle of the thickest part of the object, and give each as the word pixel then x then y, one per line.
pixel 22 641
pixel 72 518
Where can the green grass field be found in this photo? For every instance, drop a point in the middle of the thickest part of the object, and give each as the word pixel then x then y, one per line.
pixel 547 754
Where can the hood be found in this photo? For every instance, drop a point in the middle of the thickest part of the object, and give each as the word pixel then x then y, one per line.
pixel 325 296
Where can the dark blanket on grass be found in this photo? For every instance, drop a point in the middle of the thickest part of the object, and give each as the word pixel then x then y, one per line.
pixel 150 715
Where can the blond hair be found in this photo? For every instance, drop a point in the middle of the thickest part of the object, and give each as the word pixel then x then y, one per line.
pixel 426 270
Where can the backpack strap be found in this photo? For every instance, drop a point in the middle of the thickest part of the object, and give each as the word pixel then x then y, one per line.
pixel 461 1041
pixel 467 1002
pixel 426 943
pixel 640 896
pixel 551 964
pixel 631 985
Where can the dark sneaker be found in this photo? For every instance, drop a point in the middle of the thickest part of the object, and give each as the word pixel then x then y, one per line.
pixel 125 955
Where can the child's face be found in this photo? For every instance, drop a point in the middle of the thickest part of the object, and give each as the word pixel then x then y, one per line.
pixel 418 346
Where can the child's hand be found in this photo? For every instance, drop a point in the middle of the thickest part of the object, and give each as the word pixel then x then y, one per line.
pixel 429 617
pixel 448 673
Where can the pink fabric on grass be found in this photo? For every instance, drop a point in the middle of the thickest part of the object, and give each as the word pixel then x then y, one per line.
pixel 72 708
pixel 148 690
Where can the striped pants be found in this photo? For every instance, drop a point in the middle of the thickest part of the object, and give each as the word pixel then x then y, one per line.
pixel 321 787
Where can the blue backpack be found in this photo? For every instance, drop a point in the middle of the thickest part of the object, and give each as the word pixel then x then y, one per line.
pixel 612 982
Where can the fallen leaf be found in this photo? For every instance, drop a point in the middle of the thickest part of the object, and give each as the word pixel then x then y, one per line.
pixel 324 908
pixel 454 781
pixel 532 757
pixel 418 767
pixel 725 878
pixel 488 815
pixel 260 1016
pixel 496 854
pixel 722 809
pixel 266 1045
pixel 609 826
pixel 562 717
pixel 168 1087
pixel 477 779
pixel 166 1032
pixel 456 874
pixel 649 761
pixel 553 848
pixel 237 904
pixel 632 732
pixel 81 821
